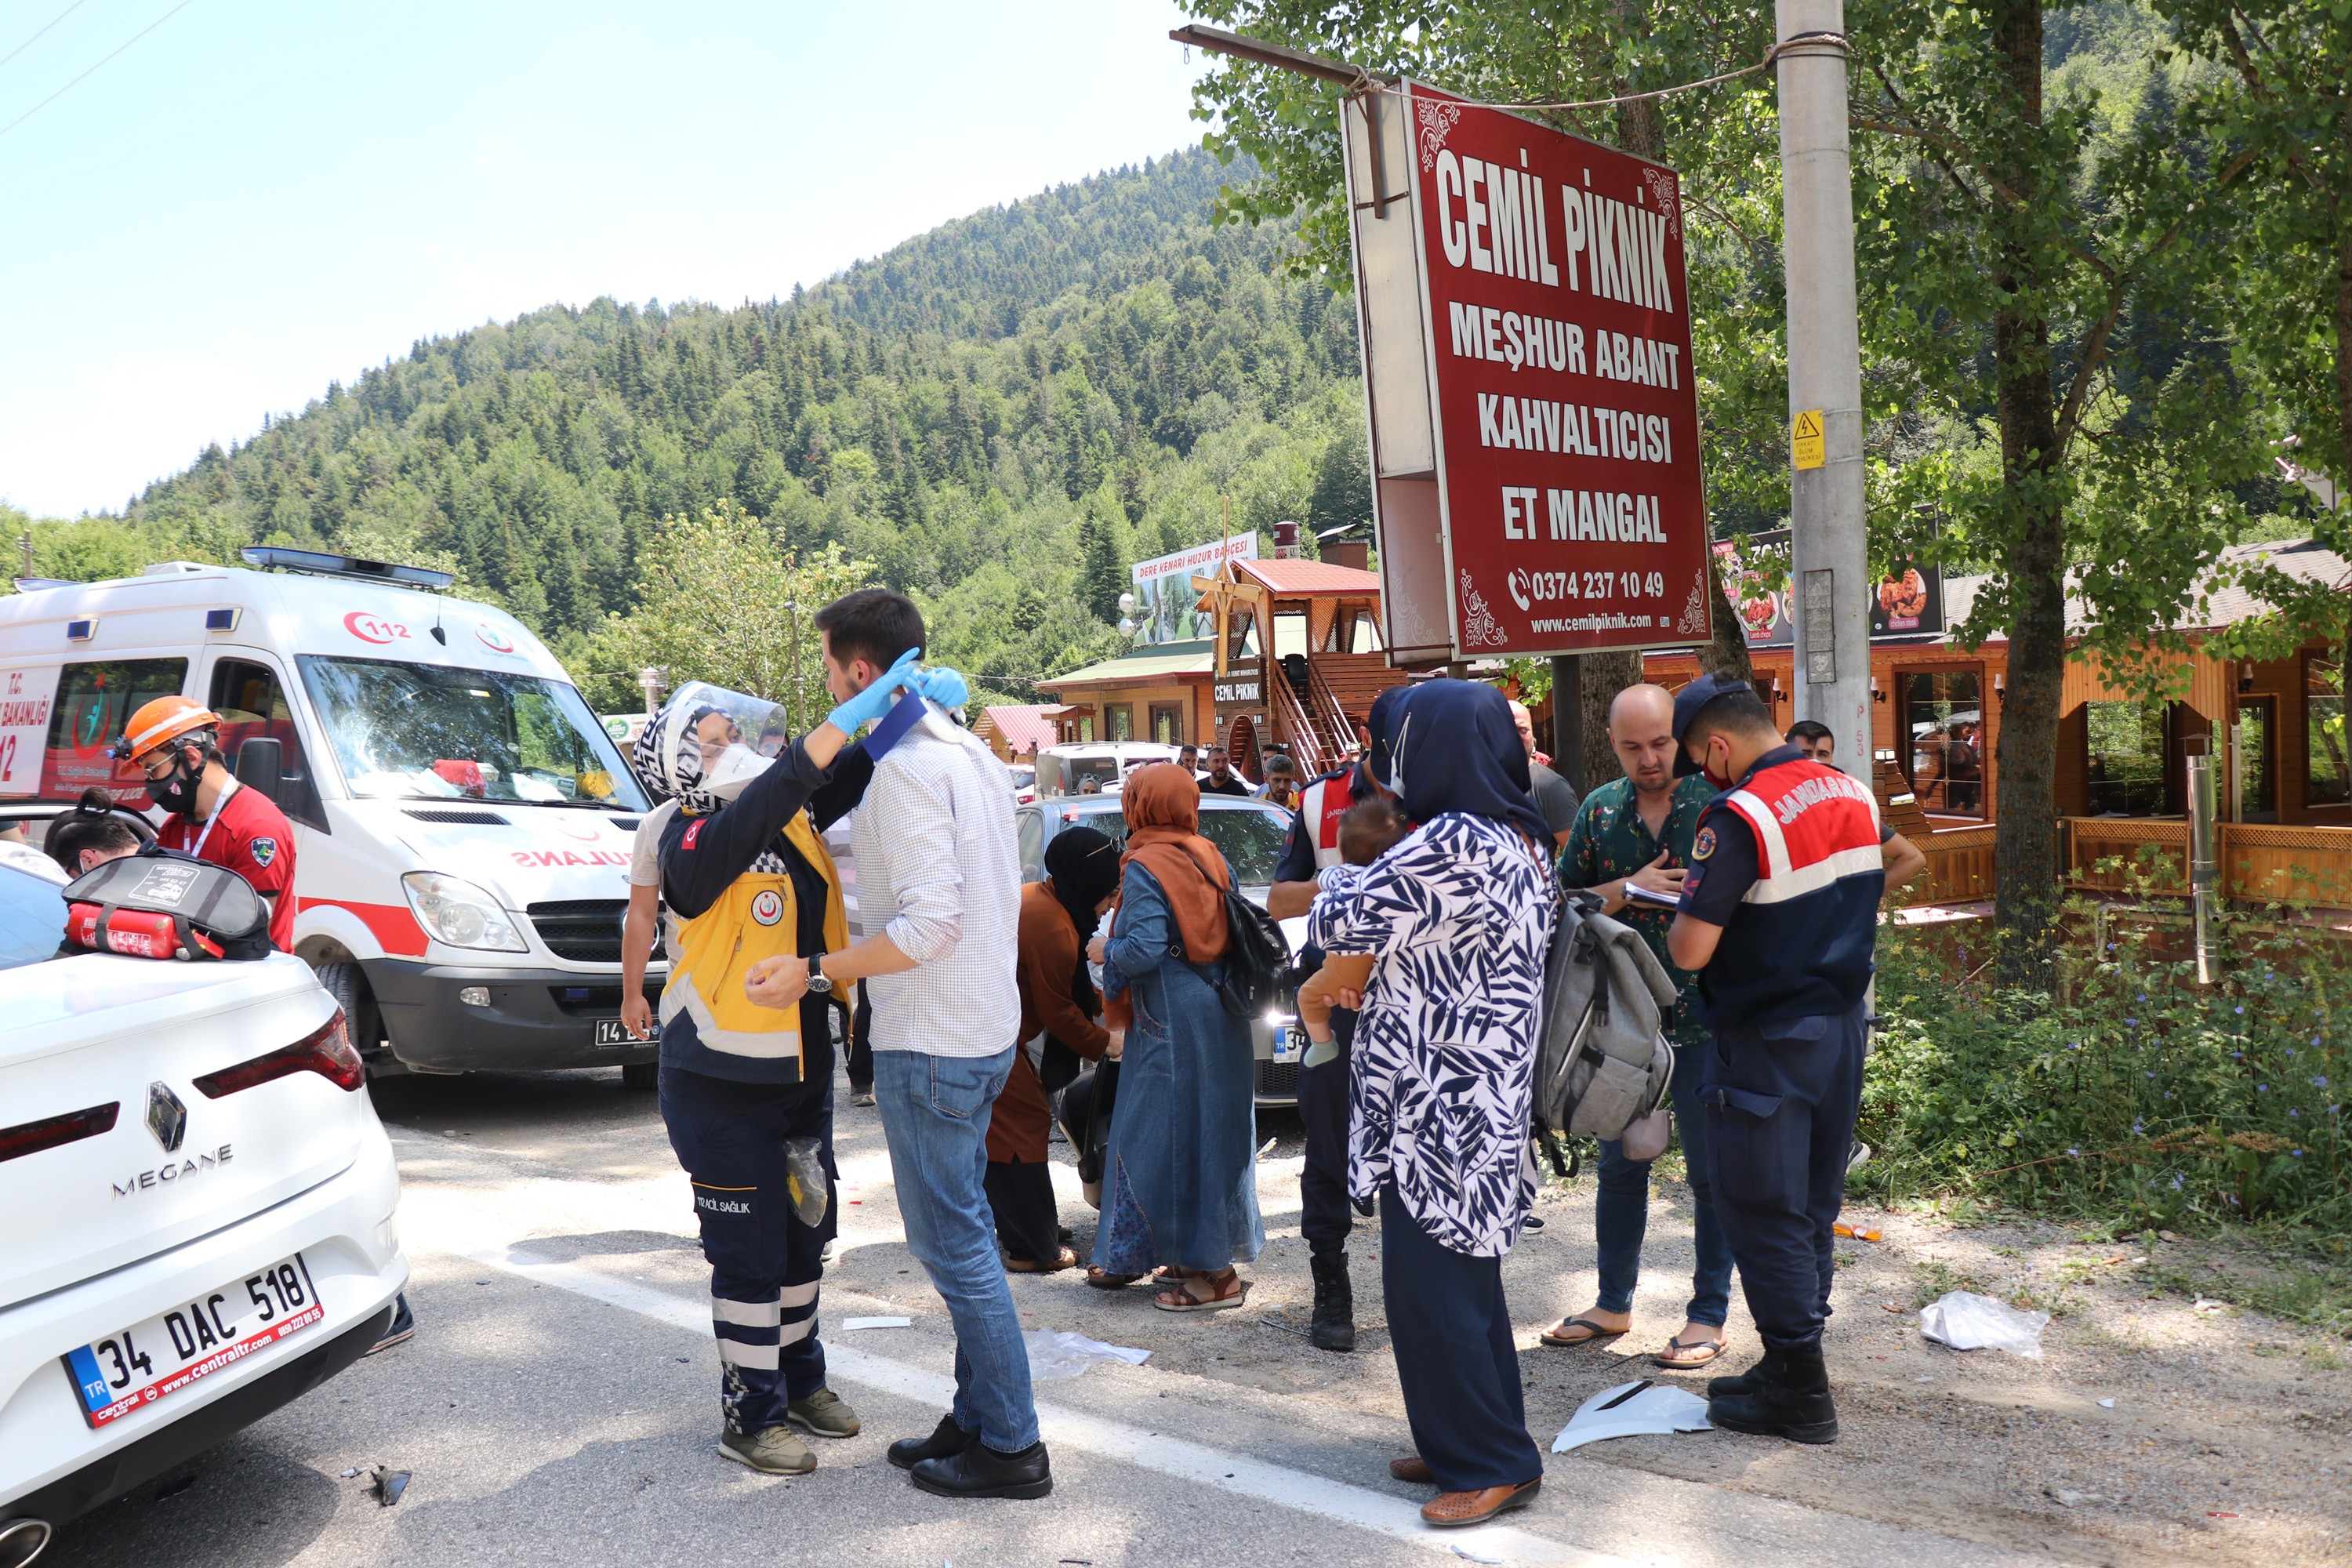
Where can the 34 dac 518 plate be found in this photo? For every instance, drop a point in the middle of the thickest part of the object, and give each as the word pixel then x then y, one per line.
pixel 131 1370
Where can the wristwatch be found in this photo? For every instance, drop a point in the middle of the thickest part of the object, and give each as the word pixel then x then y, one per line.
pixel 819 983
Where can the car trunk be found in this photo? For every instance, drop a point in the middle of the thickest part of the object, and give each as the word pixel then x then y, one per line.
pixel 88 1031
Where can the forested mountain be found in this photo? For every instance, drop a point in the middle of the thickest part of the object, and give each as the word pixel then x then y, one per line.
pixel 998 415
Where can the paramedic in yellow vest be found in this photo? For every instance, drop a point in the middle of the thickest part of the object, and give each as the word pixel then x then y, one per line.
pixel 746 1090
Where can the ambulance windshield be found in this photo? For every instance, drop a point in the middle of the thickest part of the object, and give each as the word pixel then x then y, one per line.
pixel 418 732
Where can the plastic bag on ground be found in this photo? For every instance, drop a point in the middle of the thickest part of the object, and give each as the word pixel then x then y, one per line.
pixel 1054 1356
pixel 1967 1322
pixel 1631 1409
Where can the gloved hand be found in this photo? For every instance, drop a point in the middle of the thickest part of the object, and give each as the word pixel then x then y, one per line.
pixel 944 687
pixel 874 700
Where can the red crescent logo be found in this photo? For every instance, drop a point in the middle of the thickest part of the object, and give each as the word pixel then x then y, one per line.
pixel 583 831
pixel 374 628
pixel 493 639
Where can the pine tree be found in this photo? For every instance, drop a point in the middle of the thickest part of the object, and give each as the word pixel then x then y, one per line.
pixel 1103 553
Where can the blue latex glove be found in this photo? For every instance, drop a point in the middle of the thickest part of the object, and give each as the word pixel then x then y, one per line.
pixel 874 700
pixel 944 687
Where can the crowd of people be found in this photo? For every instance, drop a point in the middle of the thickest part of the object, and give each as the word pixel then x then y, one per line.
pixel 1432 873
pixel 868 893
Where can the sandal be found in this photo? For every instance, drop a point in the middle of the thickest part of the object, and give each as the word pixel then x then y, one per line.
pixel 1673 1358
pixel 1230 1289
pixel 1594 1333
pixel 1101 1279
pixel 1067 1259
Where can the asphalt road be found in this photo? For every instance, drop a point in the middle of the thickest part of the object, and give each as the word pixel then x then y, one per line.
pixel 559 1403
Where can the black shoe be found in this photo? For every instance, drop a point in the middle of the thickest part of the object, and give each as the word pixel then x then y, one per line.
pixel 946 1440
pixel 1530 1224
pixel 403 1330
pixel 1788 1397
pixel 1333 1327
pixel 980 1470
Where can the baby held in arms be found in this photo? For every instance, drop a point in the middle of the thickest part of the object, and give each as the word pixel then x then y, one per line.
pixel 1367 830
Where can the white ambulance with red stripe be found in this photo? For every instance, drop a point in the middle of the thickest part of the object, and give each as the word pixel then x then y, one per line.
pixel 462 820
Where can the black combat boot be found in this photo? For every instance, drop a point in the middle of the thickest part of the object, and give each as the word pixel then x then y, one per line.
pixel 1788 1397
pixel 1743 1382
pixel 1333 1327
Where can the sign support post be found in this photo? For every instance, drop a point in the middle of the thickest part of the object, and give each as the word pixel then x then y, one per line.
pixel 1830 584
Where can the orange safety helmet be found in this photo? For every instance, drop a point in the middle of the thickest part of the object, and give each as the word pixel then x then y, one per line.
pixel 164 720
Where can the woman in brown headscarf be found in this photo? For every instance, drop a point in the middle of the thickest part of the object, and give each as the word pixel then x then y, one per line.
pixel 1179 1192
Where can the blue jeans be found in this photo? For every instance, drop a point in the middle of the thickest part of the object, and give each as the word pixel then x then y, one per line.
pixel 935 1118
pixel 1621 1213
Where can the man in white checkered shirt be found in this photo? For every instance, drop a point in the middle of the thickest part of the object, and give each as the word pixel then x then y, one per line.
pixel 939 895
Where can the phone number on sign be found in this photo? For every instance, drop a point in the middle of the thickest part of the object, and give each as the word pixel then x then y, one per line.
pixel 1547 587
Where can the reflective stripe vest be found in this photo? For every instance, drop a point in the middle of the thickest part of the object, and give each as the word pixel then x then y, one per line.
pixel 1812 825
pixel 1323 803
pixel 758 917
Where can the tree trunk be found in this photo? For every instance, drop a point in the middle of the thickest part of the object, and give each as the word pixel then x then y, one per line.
pixel 1605 675
pixel 2025 849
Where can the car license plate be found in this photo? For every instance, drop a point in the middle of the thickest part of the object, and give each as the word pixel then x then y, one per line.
pixel 1292 1045
pixel 133 1369
pixel 613 1032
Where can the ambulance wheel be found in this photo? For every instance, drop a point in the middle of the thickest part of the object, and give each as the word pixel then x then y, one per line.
pixel 348 987
pixel 641 1075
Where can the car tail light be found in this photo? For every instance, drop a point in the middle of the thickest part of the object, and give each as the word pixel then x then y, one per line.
pixel 326 1052
pixel 31 1137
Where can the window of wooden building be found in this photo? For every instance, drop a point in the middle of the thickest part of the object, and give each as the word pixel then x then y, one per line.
pixel 1168 724
pixel 2257 759
pixel 1121 717
pixel 2328 780
pixel 2126 746
pixel 1940 716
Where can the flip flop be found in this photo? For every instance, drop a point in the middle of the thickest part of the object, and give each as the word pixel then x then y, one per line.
pixel 1713 1348
pixel 1069 1260
pixel 1597 1334
pixel 1102 1279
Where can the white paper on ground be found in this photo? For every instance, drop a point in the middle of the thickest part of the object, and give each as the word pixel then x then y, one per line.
pixel 1967 1322
pixel 877 1322
pixel 1631 1409
pixel 1054 1356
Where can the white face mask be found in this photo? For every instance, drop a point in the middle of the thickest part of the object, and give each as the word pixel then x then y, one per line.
pixel 738 765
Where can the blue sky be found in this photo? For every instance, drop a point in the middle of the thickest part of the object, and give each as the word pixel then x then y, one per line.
pixel 263 196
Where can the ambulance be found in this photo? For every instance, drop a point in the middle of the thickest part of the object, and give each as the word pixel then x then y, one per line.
pixel 462 820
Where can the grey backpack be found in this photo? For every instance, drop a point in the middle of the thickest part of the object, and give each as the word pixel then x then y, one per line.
pixel 1602 1062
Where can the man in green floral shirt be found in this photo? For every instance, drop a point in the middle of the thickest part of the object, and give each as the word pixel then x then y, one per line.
pixel 1634 833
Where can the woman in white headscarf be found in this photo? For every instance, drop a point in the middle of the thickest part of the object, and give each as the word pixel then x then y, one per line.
pixel 747 1090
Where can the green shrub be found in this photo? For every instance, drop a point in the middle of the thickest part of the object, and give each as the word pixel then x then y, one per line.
pixel 2133 1094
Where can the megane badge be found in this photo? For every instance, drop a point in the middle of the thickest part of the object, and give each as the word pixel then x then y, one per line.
pixel 167 1117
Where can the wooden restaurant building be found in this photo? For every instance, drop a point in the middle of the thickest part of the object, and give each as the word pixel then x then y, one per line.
pixel 1293 665
pixel 2277 726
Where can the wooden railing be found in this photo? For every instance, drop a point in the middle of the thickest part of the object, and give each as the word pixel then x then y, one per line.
pixel 2259 861
pixel 1959 866
pixel 1293 726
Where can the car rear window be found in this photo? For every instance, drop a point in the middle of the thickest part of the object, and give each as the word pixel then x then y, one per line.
pixel 1250 839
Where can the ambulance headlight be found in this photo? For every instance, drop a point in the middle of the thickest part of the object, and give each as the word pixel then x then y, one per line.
pixel 460 914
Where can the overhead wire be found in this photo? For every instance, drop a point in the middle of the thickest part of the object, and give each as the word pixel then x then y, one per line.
pixel 85 76
pixel 36 38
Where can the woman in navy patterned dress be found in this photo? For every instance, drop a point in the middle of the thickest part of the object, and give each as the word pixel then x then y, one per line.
pixel 1458 917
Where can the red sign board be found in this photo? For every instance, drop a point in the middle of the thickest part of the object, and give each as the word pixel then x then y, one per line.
pixel 1557 330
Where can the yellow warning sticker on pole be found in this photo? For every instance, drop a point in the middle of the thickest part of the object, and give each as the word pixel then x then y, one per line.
pixel 1805 446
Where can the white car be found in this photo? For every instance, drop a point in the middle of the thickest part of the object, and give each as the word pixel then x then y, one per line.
pixel 196 1208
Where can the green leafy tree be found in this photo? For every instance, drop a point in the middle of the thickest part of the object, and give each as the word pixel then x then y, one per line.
pixel 1104 554
pixel 723 604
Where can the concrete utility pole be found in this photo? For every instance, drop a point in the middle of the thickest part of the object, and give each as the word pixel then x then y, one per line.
pixel 1830 585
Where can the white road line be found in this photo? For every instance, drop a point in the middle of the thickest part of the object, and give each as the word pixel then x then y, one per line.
pixel 1236 1473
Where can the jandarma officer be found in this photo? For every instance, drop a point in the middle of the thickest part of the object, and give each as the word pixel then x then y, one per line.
pixel 1779 918
pixel 746 877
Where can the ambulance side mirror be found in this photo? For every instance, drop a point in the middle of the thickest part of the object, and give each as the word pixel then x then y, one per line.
pixel 260 766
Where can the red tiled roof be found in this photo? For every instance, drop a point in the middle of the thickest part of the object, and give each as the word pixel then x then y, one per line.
pixel 1025 725
pixel 1310 577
